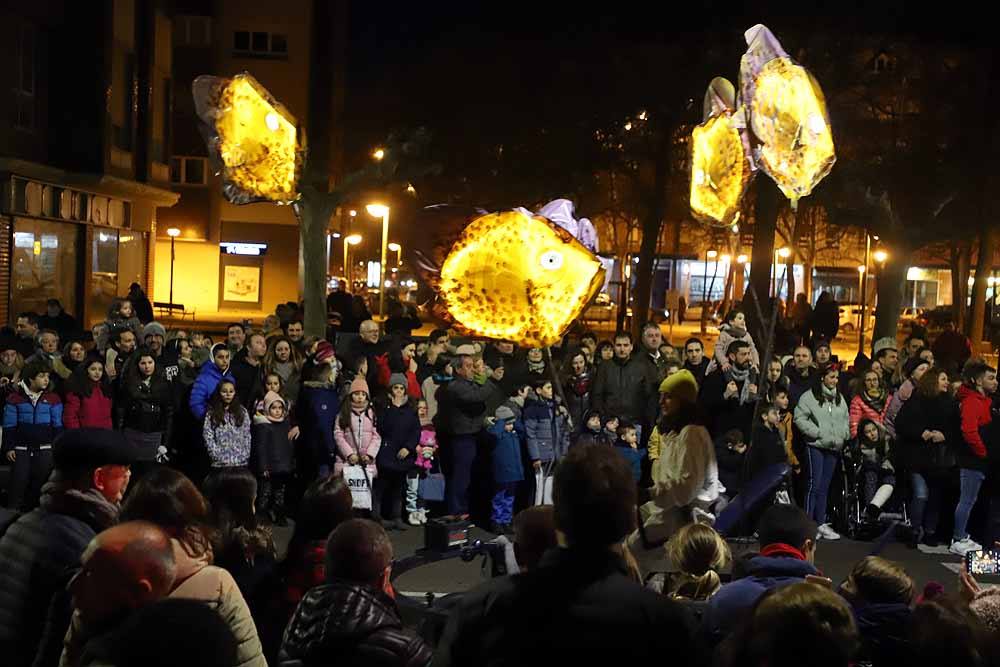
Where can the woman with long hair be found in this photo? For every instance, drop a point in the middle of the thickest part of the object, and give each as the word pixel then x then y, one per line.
pixel 245 546
pixel 685 473
pixel 145 407
pixel 170 500
pixel 88 397
pixel 823 418
pixel 283 357
pixel 358 442
pixel 578 380
pixel 927 432
pixel 73 354
pixel 227 429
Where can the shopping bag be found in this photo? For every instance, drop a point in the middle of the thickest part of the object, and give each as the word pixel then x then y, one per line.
pixel 431 487
pixel 543 488
pixel 360 486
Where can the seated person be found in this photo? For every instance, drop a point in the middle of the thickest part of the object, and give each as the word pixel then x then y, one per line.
pixel 880 593
pixel 878 478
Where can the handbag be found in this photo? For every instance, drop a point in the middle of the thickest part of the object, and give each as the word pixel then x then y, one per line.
pixel 431 487
pixel 357 480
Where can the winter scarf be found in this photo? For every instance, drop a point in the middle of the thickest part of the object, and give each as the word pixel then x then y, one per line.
pixel 876 403
pixel 579 385
pixel 744 376
pixel 831 395
pixel 536 366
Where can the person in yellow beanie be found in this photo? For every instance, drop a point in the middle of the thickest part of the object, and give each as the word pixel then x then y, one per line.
pixel 685 473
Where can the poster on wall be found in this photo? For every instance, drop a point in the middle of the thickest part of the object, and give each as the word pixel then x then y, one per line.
pixel 241 283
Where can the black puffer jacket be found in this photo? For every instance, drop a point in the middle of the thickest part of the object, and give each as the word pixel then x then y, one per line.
pixel 623 389
pixel 344 623
pixel 149 409
pixel 38 554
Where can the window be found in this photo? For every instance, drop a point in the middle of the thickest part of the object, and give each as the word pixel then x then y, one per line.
pixel 122 134
pixel 260 44
pixel 194 31
pixel 24 91
pixel 189 170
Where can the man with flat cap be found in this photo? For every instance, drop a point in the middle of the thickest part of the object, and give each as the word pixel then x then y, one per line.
pixel 40 551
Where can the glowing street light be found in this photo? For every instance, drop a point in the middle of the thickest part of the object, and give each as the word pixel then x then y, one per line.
pixel 880 256
pixel 378 154
pixel 741 259
pixel 352 213
pixel 712 254
pixel 725 259
pixel 173 233
pixel 784 253
pixel 381 211
pixel 398 249
pixel 353 239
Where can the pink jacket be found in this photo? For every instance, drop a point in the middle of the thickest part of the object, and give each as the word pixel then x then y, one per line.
pixel 861 410
pixel 360 438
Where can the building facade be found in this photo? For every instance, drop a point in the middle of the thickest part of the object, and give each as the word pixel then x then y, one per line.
pixel 84 141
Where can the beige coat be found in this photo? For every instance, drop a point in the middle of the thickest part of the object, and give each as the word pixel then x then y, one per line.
pixel 216 587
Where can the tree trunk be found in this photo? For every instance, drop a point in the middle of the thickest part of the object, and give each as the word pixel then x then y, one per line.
pixel 765 220
pixel 890 287
pixel 984 266
pixel 317 205
pixel 730 278
pixel 655 206
pixel 959 285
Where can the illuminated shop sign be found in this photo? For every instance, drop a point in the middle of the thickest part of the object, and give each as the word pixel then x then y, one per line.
pixel 250 249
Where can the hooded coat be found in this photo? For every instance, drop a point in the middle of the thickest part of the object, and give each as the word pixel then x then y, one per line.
pixel 271 450
pixel 206 384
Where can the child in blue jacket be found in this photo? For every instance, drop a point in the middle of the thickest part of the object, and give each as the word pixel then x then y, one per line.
pixel 628 445
pixel 508 470
pixel 32 418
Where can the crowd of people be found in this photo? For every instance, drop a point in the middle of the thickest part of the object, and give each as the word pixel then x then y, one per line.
pixel 157 463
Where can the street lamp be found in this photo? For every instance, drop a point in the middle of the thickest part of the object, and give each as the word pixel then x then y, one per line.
pixel 381 211
pixel 741 259
pixel 352 213
pixel 173 233
pixel 880 256
pixel 353 239
pixel 398 249
pixel 378 154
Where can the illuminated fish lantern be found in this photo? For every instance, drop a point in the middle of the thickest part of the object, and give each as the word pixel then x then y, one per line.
pixel 519 277
pixel 254 142
pixel 786 113
pixel 720 170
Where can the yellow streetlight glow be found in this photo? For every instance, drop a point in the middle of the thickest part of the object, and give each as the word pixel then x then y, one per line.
pixel 712 254
pixel 352 213
pixel 377 210
pixel 861 269
pixel 378 154
pixel 353 239
pixel 726 258
pixel 173 232
pixel 880 256
pixel 394 247
pixel 742 259
pixel 784 253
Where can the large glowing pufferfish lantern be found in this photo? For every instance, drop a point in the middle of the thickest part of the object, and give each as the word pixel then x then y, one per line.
pixel 514 275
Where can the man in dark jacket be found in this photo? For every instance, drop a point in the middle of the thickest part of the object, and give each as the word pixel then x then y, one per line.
pixel 27 330
pixel 579 606
pixel 58 320
pixel 351 620
pixel 40 550
pixel 366 344
pixel 247 370
pixel 800 372
pixel 463 410
pixel 695 359
pixel 622 387
pixel 788 539
pixel 729 394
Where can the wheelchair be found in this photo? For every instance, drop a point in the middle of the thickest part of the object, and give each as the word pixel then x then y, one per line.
pixel 847 500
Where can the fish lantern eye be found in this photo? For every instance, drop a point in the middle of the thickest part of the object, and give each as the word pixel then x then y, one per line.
pixel 552 260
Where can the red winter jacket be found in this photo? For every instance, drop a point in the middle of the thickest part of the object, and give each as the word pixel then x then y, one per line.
pixel 975 409
pixel 92 411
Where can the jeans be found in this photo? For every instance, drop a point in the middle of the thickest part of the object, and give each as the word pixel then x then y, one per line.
pixel 503 503
pixel 30 471
pixel 412 486
pixel 971 480
pixel 925 506
pixel 822 464
pixel 459 477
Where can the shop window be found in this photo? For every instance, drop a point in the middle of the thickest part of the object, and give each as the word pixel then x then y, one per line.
pixel 44 265
pixel 103 273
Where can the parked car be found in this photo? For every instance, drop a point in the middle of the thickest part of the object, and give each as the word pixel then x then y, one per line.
pixel 910 314
pixel 936 318
pixel 850 314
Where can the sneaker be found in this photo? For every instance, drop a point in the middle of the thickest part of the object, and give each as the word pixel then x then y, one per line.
pixel 414 518
pixel 827 532
pixel 960 547
pixel 423 516
pixel 872 513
